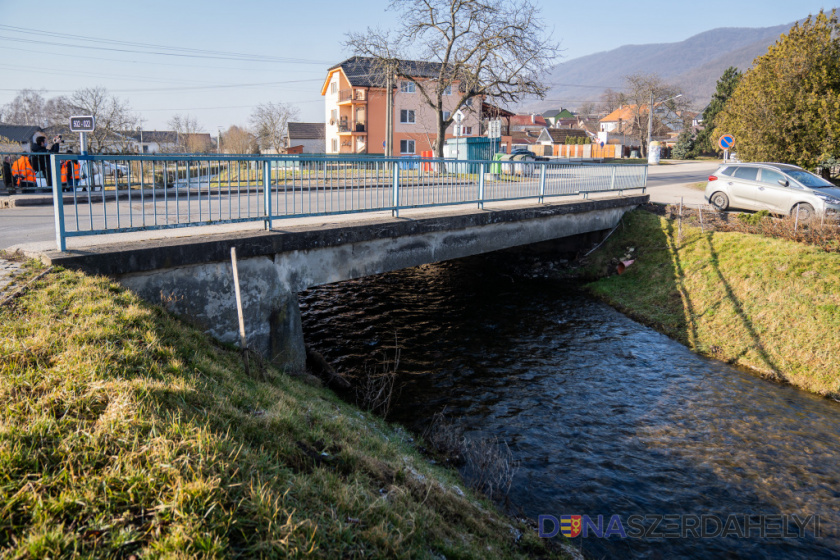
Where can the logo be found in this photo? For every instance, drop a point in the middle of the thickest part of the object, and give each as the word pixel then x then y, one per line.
pixel 570 525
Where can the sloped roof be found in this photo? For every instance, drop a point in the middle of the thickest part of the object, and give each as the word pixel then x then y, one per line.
pixel 361 71
pixel 524 137
pixel 565 114
pixel 551 113
pixel 525 120
pixel 157 136
pixel 307 131
pixel 19 133
pixel 624 113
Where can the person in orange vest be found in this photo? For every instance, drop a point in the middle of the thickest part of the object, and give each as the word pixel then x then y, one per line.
pixel 23 174
pixel 70 173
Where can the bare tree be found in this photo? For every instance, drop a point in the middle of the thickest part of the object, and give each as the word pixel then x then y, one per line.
pixel 237 140
pixel 497 49
pixel 270 124
pixel 114 118
pixel 612 100
pixel 27 108
pixel 190 135
pixel 668 106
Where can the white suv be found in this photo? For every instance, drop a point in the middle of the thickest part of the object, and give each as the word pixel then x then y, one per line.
pixel 776 187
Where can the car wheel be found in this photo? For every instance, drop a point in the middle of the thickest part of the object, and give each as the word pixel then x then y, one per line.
pixel 720 201
pixel 805 211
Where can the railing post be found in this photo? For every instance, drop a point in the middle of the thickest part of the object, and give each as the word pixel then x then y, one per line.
pixel 58 204
pixel 396 187
pixel 481 186
pixel 644 180
pixel 542 181
pixel 267 193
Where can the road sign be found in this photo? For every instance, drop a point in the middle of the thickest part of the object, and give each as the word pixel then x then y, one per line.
pixel 495 129
pixel 82 124
pixel 726 141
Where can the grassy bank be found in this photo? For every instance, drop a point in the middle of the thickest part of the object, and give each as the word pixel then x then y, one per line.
pixel 125 431
pixel 770 305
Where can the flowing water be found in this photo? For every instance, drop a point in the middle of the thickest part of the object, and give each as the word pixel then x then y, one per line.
pixel 606 416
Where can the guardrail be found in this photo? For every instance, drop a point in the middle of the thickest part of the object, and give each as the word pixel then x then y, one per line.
pixel 134 193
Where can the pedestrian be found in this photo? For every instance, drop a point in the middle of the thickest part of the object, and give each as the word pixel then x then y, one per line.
pixel 42 162
pixel 70 173
pixel 7 175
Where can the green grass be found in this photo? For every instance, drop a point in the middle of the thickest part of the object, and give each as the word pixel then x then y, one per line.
pixel 125 431
pixel 770 305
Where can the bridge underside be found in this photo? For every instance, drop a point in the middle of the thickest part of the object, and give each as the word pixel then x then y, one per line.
pixel 193 276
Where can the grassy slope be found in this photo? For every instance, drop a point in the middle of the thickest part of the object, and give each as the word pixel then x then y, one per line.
pixel 767 304
pixel 125 431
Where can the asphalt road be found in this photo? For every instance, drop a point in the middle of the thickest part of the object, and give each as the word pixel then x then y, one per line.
pixel 32 227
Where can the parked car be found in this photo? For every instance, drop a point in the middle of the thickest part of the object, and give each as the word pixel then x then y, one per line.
pixel 111 168
pixel 776 187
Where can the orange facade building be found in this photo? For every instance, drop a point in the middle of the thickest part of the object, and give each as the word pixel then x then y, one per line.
pixel 355 109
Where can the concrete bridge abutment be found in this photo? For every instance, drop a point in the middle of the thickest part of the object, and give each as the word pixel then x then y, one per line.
pixel 193 276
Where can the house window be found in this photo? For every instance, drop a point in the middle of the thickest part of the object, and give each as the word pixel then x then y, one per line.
pixel 466 130
pixel 406 146
pixel 334 145
pixel 145 149
pixel 407 116
pixel 333 87
pixel 334 115
pixel 446 114
pixel 468 102
pixel 447 90
pixel 407 87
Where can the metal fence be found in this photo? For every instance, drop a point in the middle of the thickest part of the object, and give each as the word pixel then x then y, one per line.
pixel 96 195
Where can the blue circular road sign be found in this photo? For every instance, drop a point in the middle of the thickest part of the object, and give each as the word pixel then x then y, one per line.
pixel 726 141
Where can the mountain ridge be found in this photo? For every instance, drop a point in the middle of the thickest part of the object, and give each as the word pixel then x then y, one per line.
pixel 692 65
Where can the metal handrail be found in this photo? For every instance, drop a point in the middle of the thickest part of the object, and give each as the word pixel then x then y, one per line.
pixel 124 193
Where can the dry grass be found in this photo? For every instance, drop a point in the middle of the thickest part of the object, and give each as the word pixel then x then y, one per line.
pixel 488 463
pixel 126 432
pixel 769 304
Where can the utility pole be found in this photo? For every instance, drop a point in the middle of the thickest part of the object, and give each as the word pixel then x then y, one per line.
pixel 650 123
pixel 389 115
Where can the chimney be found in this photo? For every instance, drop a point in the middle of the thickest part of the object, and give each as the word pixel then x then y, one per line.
pixel 533 119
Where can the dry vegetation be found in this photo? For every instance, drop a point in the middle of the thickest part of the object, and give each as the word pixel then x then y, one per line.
pixel 126 432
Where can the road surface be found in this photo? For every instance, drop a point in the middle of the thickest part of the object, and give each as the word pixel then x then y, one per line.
pixel 33 227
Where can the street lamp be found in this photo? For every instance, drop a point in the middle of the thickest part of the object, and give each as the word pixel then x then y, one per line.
pixel 650 119
pixel 219 140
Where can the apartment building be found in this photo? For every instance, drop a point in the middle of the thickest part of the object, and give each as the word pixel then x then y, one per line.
pixel 355 109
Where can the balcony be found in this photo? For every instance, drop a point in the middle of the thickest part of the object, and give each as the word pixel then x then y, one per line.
pixel 351 127
pixel 352 96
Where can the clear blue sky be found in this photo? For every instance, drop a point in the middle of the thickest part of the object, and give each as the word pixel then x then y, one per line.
pixel 287 46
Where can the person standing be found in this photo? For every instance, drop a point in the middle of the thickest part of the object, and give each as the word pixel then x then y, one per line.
pixel 70 172
pixel 7 175
pixel 42 162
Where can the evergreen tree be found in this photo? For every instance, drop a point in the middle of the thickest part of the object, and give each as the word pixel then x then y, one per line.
pixel 685 145
pixel 787 107
pixel 704 143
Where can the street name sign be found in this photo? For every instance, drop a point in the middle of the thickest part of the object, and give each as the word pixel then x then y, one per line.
pixel 85 123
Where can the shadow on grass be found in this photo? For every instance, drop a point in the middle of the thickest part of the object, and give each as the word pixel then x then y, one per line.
pixel 737 306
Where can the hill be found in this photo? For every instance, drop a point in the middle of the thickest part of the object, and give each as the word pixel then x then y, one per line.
pixel 694 65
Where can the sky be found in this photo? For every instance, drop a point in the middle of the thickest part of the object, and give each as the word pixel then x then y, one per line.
pixel 216 60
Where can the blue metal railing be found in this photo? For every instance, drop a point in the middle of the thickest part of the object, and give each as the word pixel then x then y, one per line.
pixel 112 194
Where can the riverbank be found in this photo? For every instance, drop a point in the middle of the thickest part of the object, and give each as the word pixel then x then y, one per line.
pixel 766 304
pixel 128 432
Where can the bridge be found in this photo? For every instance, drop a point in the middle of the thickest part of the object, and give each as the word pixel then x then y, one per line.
pixel 449 211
